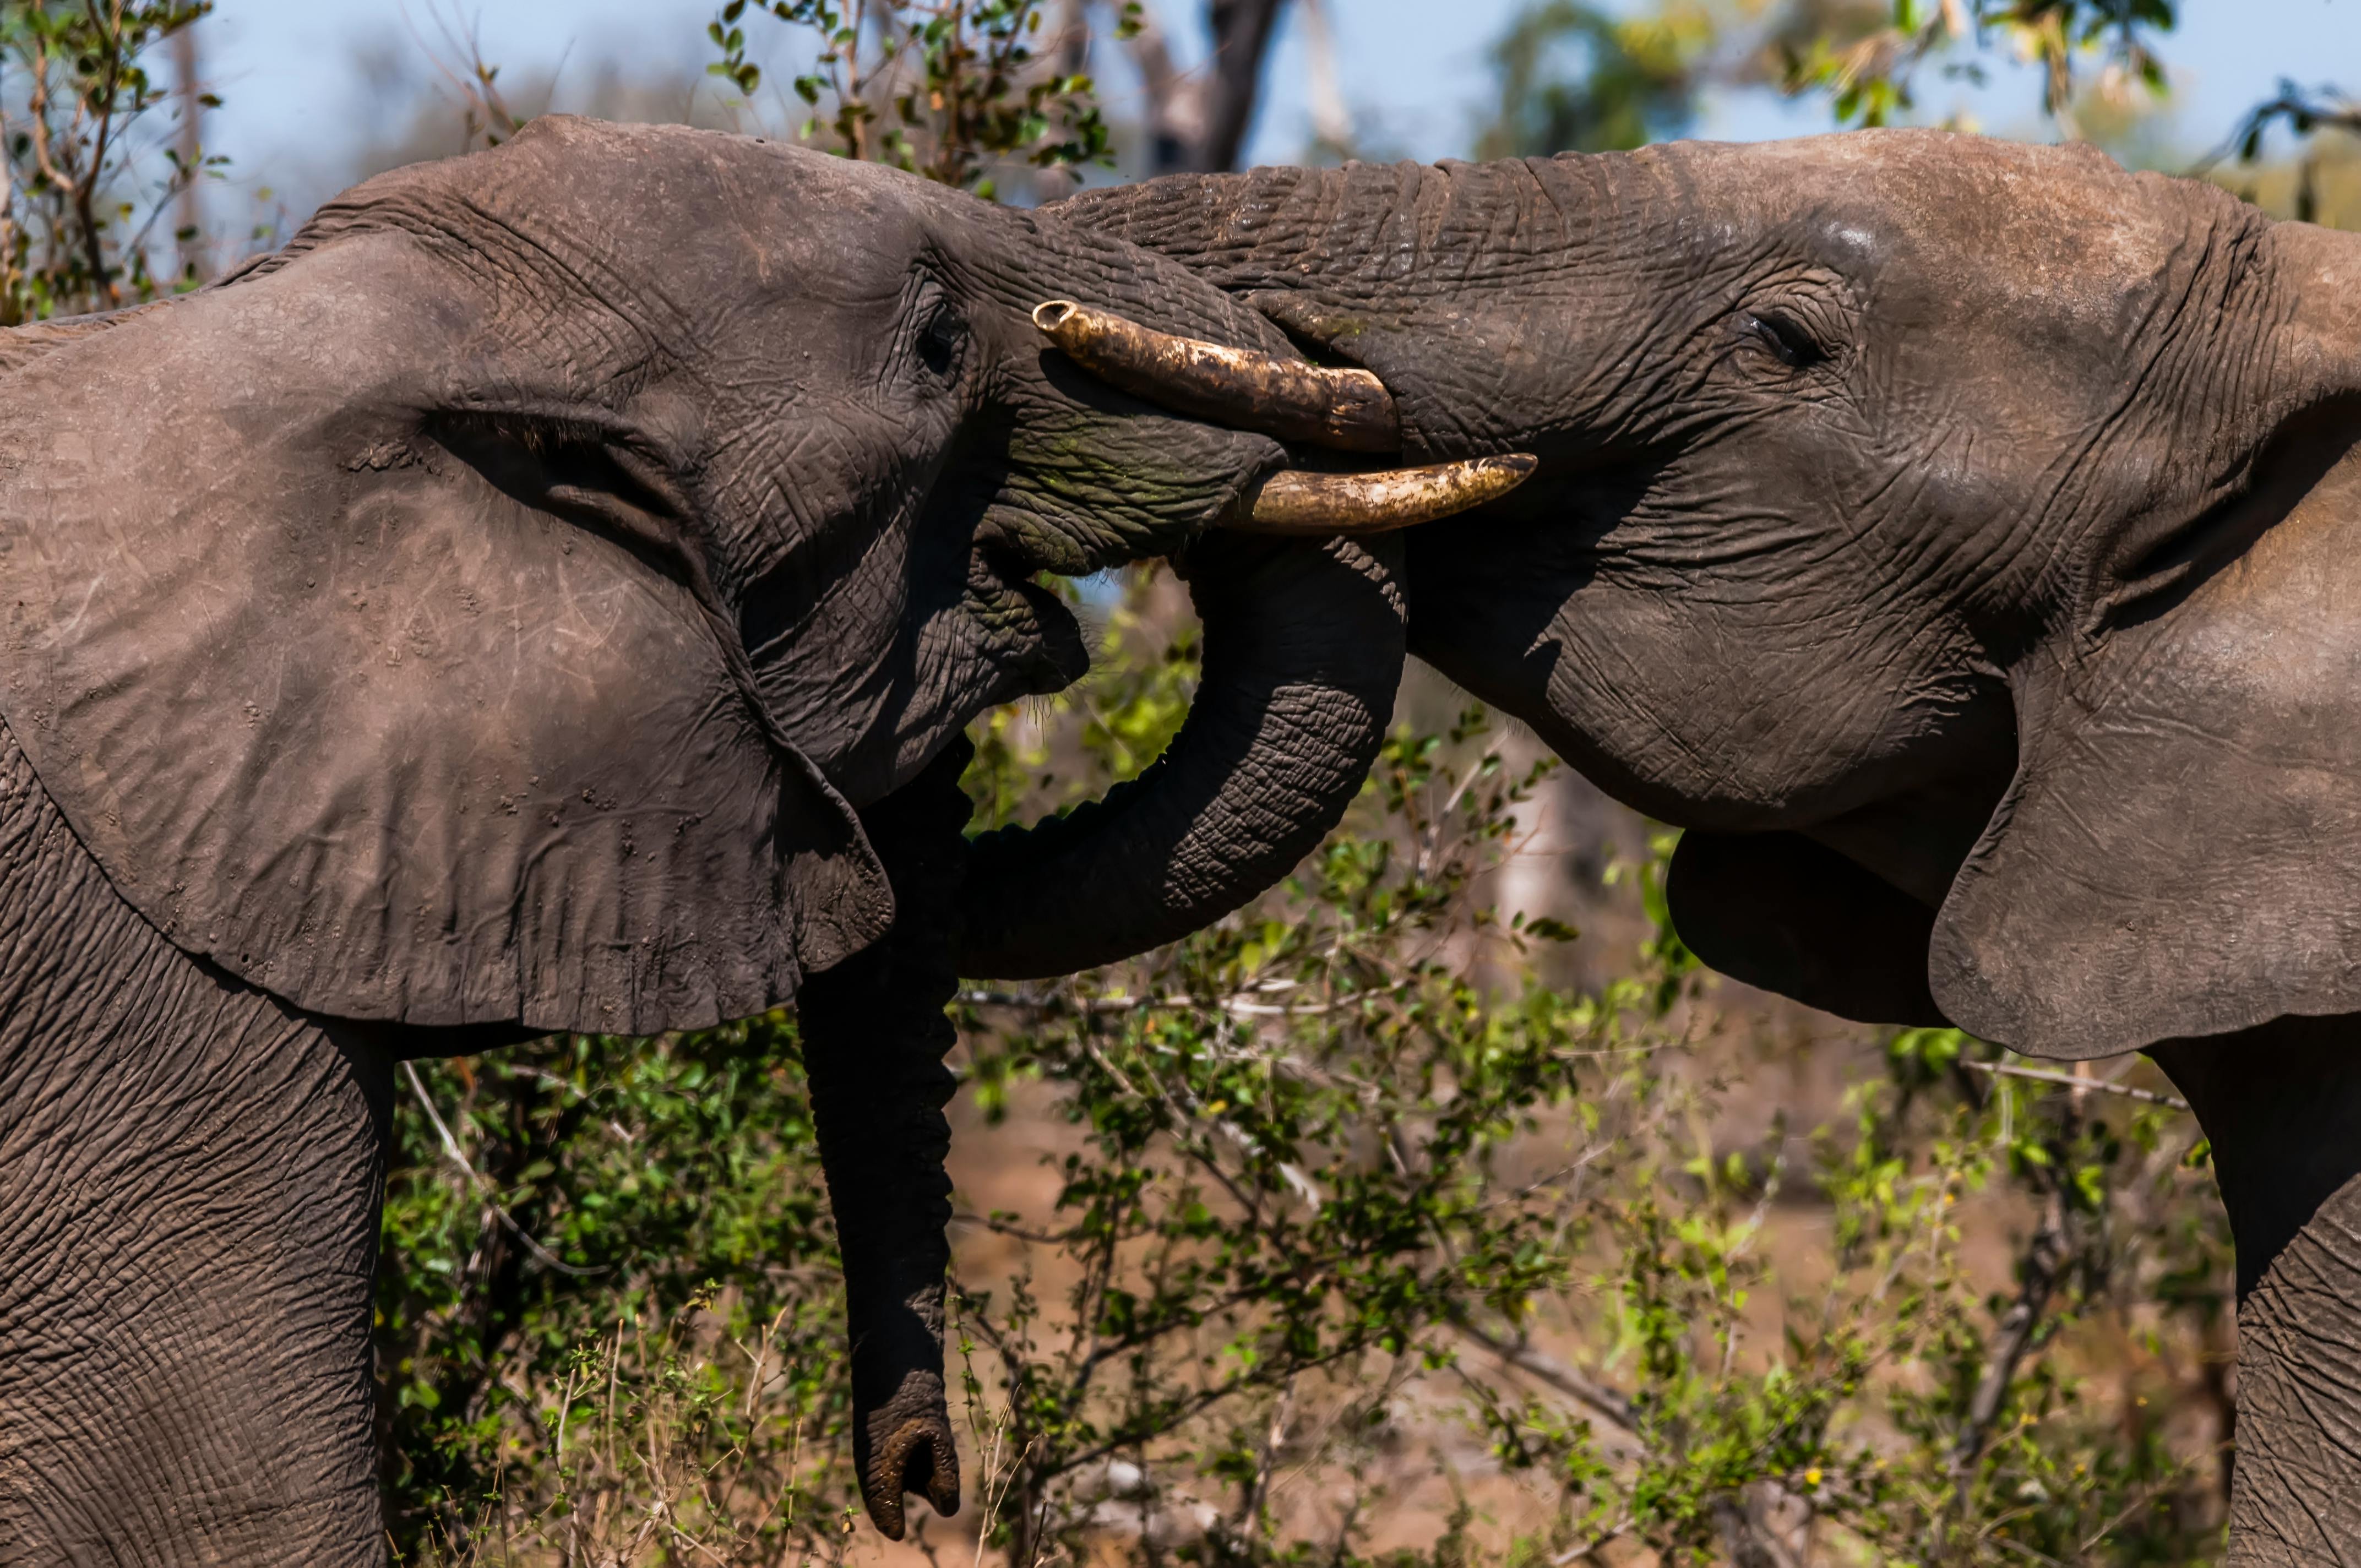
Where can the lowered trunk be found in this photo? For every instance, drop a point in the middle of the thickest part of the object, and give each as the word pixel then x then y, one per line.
pixel 874 1034
pixel 1303 648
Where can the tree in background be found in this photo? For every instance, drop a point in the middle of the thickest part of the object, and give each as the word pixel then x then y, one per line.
pixel 951 88
pixel 1869 78
pixel 945 89
pixel 1574 77
pixel 83 188
pixel 1200 122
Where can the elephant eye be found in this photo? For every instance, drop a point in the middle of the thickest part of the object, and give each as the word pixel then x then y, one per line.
pixel 939 341
pixel 1786 340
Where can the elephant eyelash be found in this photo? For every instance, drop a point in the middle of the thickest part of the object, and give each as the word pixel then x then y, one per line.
pixel 1786 340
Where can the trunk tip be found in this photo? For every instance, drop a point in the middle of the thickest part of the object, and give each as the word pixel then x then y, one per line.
pixel 917 1456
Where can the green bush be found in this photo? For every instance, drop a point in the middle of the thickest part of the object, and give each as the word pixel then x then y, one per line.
pixel 1330 1203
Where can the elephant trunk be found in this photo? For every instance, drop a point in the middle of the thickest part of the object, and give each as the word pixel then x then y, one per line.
pixel 1303 651
pixel 1452 284
pixel 2278 1104
pixel 2316 349
pixel 874 1035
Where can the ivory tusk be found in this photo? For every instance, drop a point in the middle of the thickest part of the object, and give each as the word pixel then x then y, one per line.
pixel 1348 410
pixel 1294 501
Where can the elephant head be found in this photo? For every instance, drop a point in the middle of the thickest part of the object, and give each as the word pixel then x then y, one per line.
pixel 517 603
pixel 1958 540
pixel 1911 508
pixel 501 597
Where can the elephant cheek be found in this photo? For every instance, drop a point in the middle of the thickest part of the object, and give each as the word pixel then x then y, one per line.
pixel 985 651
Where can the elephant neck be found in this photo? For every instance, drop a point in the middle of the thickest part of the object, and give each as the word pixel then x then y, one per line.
pixel 189 1179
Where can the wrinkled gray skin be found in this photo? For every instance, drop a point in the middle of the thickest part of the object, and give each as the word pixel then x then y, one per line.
pixel 1963 540
pixel 545 596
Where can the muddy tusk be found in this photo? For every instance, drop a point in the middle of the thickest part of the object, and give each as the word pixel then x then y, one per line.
pixel 1348 410
pixel 1294 501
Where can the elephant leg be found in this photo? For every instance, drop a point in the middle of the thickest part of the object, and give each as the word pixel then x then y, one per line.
pixel 874 1034
pixel 189 1182
pixel 2281 1105
pixel 186 1250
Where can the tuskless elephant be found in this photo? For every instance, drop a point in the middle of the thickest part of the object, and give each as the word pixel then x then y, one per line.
pixel 1962 540
pixel 547 595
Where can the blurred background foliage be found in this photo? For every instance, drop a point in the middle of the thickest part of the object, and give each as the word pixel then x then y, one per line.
pixel 1436 1208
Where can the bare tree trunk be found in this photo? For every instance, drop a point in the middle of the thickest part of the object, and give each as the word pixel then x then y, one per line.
pixel 189 224
pixel 1332 119
pixel 1242 33
pixel 1175 120
pixel 1200 121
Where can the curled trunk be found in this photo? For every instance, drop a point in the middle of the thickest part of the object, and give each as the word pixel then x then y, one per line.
pixel 1303 651
pixel 874 1035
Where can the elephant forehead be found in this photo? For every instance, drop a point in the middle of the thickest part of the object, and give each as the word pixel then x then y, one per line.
pixel 666 226
pixel 1973 224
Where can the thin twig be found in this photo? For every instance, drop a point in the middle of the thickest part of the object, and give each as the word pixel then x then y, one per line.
pixel 2322 109
pixel 1576 1386
pixel 2038 1075
pixel 483 1185
pixel 2046 1253
pixel 1575 1553
pixel 1235 1003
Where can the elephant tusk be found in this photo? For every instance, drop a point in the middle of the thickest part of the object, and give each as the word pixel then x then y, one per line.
pixel 1294 501
pixel 1348 410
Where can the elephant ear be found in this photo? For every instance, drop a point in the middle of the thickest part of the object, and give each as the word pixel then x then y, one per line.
pixel 1792 916
pixel 2179 853
pixel 360 714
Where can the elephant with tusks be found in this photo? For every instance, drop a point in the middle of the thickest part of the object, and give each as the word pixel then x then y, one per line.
pixel 1961 540
pixel 548 595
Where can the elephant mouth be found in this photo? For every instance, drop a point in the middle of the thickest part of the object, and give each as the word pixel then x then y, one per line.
pixel 1047 653
pixel 1029 629
pixel 1040 640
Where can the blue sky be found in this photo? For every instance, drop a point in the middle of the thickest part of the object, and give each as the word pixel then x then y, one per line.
pixel 1414 70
